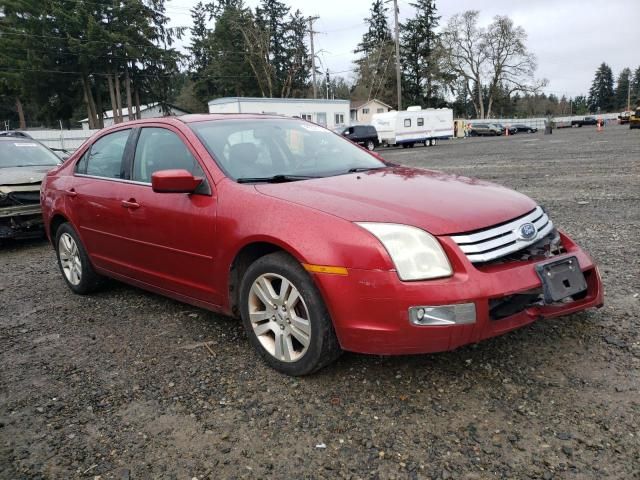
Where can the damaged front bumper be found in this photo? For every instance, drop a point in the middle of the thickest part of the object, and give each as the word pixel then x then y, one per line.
pixel 19 221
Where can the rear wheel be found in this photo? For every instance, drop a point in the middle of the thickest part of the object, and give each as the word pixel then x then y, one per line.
pixel 370 145
pixel 74 262
pixel 285 317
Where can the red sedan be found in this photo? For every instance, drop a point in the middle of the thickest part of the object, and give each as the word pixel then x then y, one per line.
pixel 316 244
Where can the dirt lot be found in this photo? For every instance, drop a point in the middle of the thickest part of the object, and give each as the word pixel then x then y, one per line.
pixel 120 384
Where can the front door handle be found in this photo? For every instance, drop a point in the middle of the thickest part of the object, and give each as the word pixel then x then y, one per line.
pixel 71 192
pixel 131 203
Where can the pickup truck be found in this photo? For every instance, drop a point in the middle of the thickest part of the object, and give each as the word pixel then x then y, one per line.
pixel 584 121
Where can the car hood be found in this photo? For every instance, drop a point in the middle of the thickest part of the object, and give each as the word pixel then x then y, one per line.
pixel 23 175
pixel 436 202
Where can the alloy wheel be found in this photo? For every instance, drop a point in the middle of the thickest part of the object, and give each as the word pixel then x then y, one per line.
pixel 70 259
pixel 279 317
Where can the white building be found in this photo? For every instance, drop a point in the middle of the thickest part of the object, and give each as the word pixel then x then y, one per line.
pixel 152 110
pixel 330 113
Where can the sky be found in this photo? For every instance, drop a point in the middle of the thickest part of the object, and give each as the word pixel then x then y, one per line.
pixel 570 38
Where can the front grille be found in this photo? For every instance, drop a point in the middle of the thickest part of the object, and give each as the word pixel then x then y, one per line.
pixel 20 198
pixel 502 240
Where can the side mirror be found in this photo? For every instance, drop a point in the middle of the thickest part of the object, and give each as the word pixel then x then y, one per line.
pixel 174 181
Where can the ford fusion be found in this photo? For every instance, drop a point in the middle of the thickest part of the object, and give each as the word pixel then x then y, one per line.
pixel 317 245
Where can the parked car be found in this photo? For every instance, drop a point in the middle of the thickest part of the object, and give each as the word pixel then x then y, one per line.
pixel 365 135
pixel 624 118
pixel 512 129
pixel 522 128
pixel 584 121
pixel 634 119
pixel 23 164
pixel 316 244
pixel 484 130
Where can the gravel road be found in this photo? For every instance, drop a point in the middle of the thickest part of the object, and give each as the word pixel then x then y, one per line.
pixel 126 384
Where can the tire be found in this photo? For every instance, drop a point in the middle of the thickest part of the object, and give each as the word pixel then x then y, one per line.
pixel 310 322
pixel 370 145
pixel 74 263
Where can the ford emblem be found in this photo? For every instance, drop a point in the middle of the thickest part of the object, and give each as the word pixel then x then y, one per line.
pixel 527 231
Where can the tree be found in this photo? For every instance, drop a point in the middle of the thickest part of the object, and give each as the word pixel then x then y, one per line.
pixel 64 54
pixel 420 56
pixel 512 65
pixel 466 54
pixel 580 105
pixel 635 88
pixel 601 93
pixel 271 20
pixel 493 60
pixel 623 89
pixel 375 76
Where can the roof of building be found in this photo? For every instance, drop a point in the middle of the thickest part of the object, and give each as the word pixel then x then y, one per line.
pixel 361 103
pixel 223 100
pixel 125 111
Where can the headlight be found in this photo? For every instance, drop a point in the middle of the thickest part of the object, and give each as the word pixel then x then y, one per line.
pixel 416 254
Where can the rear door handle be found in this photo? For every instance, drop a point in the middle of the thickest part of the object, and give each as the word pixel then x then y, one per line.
pixel 71 192
pixel 131 203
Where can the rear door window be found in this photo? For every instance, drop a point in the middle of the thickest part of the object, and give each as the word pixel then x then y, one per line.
pixel 104 159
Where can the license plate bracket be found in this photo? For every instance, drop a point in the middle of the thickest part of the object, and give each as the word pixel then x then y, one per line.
pixel 561 279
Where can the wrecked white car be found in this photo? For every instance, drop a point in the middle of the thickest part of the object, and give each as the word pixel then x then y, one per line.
pixel 23 164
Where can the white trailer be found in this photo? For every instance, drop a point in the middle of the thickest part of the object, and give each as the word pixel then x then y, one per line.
pixel 414 125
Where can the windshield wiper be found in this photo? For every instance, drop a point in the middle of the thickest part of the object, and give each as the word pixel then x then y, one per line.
pixel 274 179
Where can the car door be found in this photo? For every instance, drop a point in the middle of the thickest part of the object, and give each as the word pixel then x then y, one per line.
pixel 94 198
pixel 358 134
pixel 171 235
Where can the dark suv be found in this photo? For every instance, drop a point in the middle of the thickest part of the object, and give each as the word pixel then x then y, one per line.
pixel 484 129
pixel 366 135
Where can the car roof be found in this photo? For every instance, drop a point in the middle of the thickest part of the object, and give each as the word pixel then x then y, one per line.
pixel 197 117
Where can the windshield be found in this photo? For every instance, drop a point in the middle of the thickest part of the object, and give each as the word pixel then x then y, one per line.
pixel 264 148
pixel 24 153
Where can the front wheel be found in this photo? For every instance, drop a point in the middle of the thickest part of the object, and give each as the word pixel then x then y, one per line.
pixel 74 262
pixel 285 317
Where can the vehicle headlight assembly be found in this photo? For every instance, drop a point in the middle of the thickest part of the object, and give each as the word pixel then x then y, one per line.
pixel 416 254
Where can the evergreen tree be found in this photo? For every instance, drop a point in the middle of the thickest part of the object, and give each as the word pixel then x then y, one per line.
pixel 271 19
pixel 420 51
pixel 580 105
pixel 375 75
pixel 622 89
pixel 601 94
pixel 635 88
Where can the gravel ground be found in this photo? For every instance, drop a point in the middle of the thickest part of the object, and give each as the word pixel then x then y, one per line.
pixel 127 384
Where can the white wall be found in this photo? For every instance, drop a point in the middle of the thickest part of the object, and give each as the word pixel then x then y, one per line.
pixel 67 139
pixel 289 108
pixel 153 112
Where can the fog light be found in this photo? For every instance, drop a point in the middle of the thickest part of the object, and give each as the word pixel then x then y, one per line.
pixel 457 314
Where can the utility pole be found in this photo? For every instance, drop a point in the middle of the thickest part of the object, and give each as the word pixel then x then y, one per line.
pixel 327 81
pixel 313 55
pixel 397 35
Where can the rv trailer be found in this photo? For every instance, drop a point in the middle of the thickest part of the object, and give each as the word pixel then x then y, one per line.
pixel 414 125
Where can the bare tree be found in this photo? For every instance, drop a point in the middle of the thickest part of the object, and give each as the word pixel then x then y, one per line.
pixel 512 65
pixel 466 55
pixel 489 60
